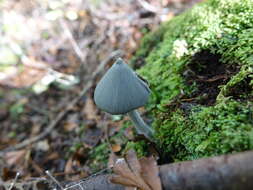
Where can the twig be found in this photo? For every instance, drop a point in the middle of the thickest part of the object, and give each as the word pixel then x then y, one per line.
pixel 157 10
pixel 38 110
pixel 15 181
pixel 88 178
pixel 72 40
pixel 31 183
pixel 55 180
pixel 148 6
pixel 69 106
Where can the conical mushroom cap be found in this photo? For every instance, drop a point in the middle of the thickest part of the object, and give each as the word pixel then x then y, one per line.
pixel 121 90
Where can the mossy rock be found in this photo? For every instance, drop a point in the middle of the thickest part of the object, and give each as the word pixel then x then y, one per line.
pixel 200 69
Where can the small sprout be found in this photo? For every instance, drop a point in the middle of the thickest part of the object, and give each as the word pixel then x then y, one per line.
pixel 121 91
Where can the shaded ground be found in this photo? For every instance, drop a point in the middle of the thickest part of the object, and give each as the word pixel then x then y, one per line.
pixel 65 41
pixel 207 73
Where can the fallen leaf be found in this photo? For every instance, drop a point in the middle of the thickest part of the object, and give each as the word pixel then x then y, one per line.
pixel 130 188
pixel 31 72
pixel 133 162
pixel 68 166
pixel 89 109
pixel 116 147
pixel 15 157
pixel 123 181
pixel 72 122
pixel 53 155
pixel 8 174
pixel 125 175
pixel 129 172
pixel 43 145
pixel 112 159
pixel 150 172
pixel 132 172
pixel 92 136
pixel 68 126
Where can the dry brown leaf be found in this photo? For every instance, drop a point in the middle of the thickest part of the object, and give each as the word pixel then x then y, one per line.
pixel 121 168
pixel 31 72
pixel 53 156
pixel 129 172
pixel 112 159
pixel 72 122
pixel 116 147
pixel 90 109
pixel 135 167
pixel 133 162
pixel 68 166
pixel 8 174
pixel 92 136
pixel 123 181
pixel 130 188
pixel 69 126
pixel 150 173
pixel 15 157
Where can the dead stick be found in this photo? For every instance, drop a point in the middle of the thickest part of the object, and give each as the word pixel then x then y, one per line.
pixel 61 115
pixel 72 40
pixel 228 172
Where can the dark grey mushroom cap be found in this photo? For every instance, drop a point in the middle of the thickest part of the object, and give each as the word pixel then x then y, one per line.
pixel 121 90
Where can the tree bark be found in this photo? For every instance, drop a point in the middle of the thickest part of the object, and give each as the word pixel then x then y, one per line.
pixel 228 172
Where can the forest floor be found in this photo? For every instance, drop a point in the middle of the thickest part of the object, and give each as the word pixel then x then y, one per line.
pixel 52 55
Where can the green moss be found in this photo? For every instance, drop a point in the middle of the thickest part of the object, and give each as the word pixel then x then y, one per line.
pixel 98 157
pixel 207 131
pixel 140 147
pixel 223 28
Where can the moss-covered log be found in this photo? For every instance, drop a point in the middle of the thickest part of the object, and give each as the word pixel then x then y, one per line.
pixel 200 69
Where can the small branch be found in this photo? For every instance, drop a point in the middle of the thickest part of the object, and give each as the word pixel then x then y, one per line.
pixel 72 40
pixel 15 181
pixel 148 6
pixel 27 184
pixel 232 171
pixel 55 180
pixel 69 106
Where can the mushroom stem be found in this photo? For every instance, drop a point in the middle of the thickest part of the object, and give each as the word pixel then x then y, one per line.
pixel 141 127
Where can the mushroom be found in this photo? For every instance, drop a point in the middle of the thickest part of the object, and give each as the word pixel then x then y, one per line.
pixel 121 91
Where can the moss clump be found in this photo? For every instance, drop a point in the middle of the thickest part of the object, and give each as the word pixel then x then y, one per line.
pixel 140 147
pixel 207 131
pixel 99 157
pixel 200 69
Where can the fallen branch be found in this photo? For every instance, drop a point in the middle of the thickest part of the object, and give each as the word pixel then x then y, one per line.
pixel 227 172
pixel 69 106
pixel 33 183
pixel 223 172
